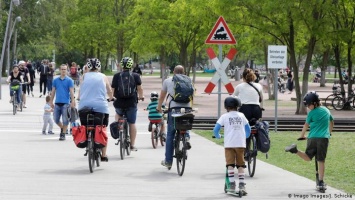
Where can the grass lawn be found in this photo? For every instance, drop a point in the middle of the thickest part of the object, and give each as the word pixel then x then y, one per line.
pixel 340 169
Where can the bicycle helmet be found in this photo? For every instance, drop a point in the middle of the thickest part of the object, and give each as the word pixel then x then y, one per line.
pixel 310 98
pixel 127 62
pixel 154 96
pixel 232 102
pixel 93 63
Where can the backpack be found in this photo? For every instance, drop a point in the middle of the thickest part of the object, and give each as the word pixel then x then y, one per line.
pixel 73 71
pixel 183 89
pixel 126 85
pixel 262 138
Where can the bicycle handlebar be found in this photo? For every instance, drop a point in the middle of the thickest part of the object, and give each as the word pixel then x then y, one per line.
pixel 301 138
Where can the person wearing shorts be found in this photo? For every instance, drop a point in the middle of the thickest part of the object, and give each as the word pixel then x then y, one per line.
pixel 63 91
pixel 236 130
pixel 320 123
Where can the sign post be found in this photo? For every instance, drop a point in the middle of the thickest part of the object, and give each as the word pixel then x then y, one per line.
pixel 277 59
pixel 220 34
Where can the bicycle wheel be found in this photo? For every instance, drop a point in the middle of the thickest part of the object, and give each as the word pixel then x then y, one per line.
pixel 180 153
pixel 162 138
pixel 252 156
pixel 122 144
pixel 14 106
pixel 128 142
pixel 338 103
pixel 154 138
pixel 91 156
pixel 328 101
pixel 21 106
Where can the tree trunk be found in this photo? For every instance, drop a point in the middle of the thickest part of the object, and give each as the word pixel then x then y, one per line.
pixel 323 67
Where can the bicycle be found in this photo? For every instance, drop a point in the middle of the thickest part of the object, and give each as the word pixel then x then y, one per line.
pixel 15 104
pixel 124 137
pixel 156 132
pixel 328 101
pixel 182 122
pixel 251 151
pixel 339 102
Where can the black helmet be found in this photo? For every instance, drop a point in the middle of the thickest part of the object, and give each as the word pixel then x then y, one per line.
pixel 127 62
pixel 93 63
pixel 154 96
pixel 310 98
pixel 232 102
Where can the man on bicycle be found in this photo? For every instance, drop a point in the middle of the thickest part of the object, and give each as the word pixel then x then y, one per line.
pixel 168 90
pixel 127 88
pixel 92 94
pixel 63 87
pixel 26 77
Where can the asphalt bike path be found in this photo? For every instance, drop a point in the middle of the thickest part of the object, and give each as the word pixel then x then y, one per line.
pixel 36 166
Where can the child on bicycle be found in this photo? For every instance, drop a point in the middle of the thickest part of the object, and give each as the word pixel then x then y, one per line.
pixel 47 117
pixel 236 130
pixel 154 115
pixel 320 122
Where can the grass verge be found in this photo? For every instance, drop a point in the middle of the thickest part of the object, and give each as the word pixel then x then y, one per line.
pixel 339 172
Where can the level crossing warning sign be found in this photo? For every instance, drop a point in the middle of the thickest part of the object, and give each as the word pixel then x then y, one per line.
pixel 220 33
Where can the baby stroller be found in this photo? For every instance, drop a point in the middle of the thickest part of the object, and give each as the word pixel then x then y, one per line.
pixel 281 85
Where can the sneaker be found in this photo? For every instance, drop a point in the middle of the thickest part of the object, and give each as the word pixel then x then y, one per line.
pixel 104 159
pixel 163 135
pixel 32 94
pixel 44 133
pixel 62 136
pixel 292 148
pixel 165 164
pixel 242 188
pixel 321 185
pixel 133 148
pixel 188 144
pixel 50 132
pixel 231 187
pixel 24 105
pixel 40 95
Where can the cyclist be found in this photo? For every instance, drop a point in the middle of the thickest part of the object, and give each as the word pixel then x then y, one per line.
pixel 129 99
pixel 26 78
pixel 93 92
pixel 236 130
pixel 63 87
pixel 168 90
pixel 154 115
pixel 15 77
pixel 320 123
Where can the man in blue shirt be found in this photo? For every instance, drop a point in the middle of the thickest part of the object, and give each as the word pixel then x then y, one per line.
pixel 63 87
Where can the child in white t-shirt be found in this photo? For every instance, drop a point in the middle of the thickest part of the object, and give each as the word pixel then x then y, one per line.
pixel 236 130
pixel 47 117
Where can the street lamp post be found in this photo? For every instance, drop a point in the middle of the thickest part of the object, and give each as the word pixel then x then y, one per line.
pixel 16 2
pixel 18 19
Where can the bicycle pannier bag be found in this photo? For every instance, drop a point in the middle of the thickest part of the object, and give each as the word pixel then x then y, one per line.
pixel 183 88
pixel 262 137
pixel 79 136
pixel 100 136
pixel 114 130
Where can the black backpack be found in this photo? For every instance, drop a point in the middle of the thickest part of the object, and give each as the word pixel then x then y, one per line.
pixel 126 85
pixel 183 88
pixel 262 139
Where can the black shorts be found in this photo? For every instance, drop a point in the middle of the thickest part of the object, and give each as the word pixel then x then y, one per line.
pixel 251 111
pixel 24 89
pixel 317 147
pixel 99 118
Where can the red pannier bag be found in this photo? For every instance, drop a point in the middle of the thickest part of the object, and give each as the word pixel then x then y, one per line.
pixel 100 136
pixel 79 136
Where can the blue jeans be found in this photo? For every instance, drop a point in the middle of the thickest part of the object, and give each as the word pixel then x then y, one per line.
pixel 18 93
pixel 49 85
pixel 169 145
pixel 61 111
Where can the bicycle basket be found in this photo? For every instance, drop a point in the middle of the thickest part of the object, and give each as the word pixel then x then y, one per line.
pixel 184 122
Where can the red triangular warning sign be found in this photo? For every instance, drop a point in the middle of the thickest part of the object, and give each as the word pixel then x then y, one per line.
pixel 220 33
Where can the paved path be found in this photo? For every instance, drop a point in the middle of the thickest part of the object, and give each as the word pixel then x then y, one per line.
pixel 35 166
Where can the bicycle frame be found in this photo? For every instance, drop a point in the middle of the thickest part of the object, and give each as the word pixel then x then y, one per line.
pixel 123 130
pixel 93 153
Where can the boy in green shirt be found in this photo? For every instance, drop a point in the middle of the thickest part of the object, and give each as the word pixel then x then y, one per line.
pixel 154 116
pixel 321 123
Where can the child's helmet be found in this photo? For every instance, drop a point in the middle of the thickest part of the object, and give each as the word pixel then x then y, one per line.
pixel 310 98
pixel 232 102
pixel 154 96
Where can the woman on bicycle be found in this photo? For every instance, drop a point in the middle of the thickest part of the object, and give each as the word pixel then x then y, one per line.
pixel 251 96
pixel 15 77
pixel 93 92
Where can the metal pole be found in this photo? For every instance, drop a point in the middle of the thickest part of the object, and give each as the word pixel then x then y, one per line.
pixel 275 94
pixel 4 46
pixel 219 82
pixel 17 19
pixel 15 45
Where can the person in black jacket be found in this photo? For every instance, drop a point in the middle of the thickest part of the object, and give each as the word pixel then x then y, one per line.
pixel 32 78
pixel 43 70
pixel 137 70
